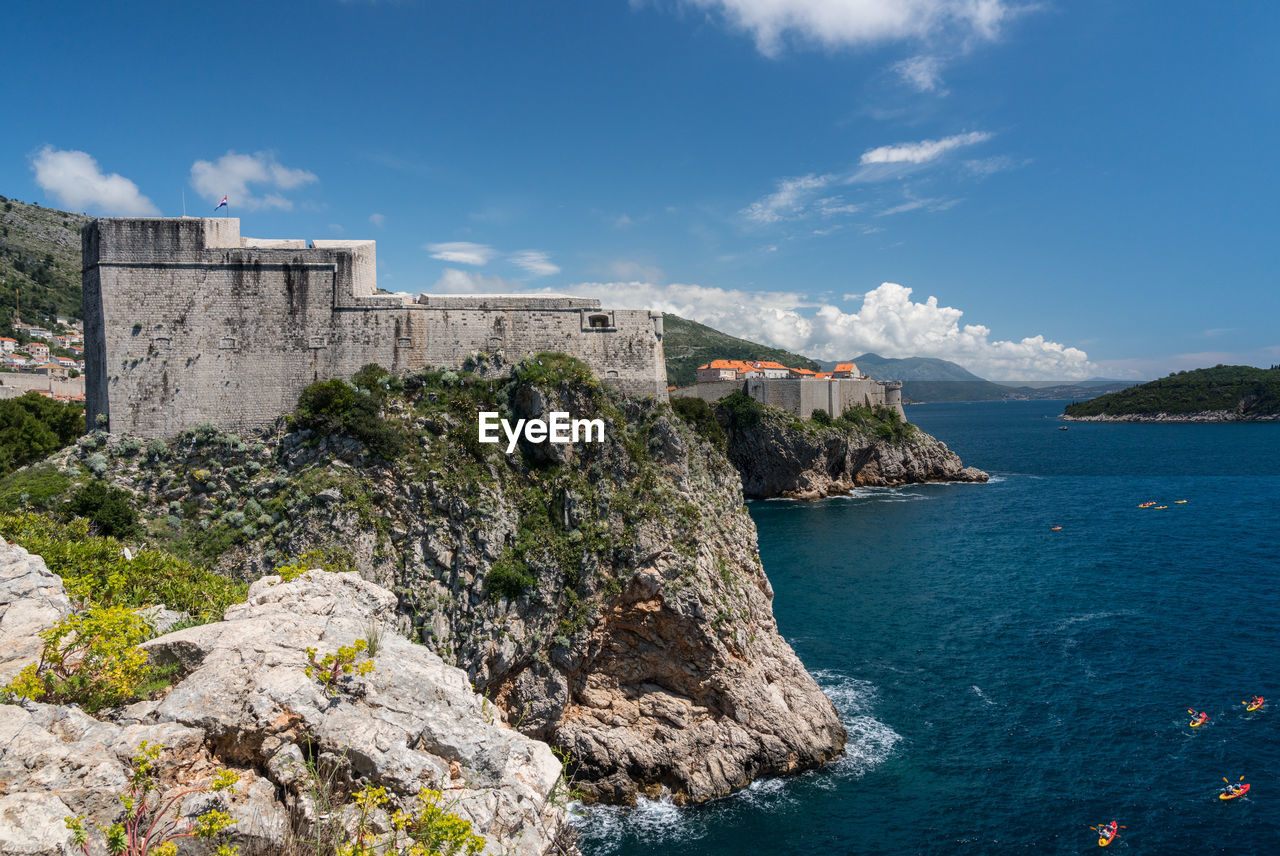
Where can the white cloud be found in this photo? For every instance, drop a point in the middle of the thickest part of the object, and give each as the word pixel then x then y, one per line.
pixel 378 220
pixel 923 151
pixel 922 73
pixel 985 167
pixel 454 281
pixel 462 252
pixel 934 204
pixel 232 174
pixel 788 201
pixel 848 23
pixel 74 179
pixel 535 262
pixel 888 323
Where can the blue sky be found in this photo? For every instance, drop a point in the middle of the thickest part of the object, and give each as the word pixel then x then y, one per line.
pixel 1034 190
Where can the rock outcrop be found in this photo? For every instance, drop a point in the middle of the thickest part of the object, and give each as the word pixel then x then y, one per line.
pixel 608 596
pixel 31 600
pixel 245 701
pixel 779 456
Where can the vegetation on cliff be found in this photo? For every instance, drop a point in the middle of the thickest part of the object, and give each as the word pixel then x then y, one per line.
pixel 780 454
pixel 33 427
pixel 39 263
pixel 1242 391
pixel 688 344
pixel 569 581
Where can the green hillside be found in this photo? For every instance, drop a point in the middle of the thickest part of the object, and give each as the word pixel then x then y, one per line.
pixel 40 260
pixel 688 344
pixel 1246 390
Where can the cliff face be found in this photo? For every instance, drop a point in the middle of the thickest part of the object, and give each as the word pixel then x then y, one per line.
pixel 780 455
pixel 607 596
pixel 244 700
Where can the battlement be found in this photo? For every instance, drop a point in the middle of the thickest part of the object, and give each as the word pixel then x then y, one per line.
pixel 186 321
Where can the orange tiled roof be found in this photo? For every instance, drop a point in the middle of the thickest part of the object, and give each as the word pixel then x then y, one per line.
pixel 768 365
pixel 846 367
pixel 802 371
pixel 822 375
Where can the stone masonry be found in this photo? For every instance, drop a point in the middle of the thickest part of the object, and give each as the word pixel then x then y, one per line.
pixel 802 396
pixel 187 322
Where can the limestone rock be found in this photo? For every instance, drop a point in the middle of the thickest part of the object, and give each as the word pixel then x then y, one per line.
pixel 31 600
pixel 778 458
pixel 400 726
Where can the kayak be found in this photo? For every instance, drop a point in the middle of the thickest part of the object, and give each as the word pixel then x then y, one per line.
pixel 1230 795
pixel 1201 720
pixel 1251 706
pixel 1107 834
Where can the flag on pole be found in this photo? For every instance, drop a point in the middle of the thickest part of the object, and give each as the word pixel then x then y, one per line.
pixel 222 204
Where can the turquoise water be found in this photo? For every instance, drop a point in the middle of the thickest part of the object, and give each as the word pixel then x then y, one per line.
pixel 1005 686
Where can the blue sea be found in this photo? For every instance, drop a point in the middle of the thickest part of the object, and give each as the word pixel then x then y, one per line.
pixel 1006 685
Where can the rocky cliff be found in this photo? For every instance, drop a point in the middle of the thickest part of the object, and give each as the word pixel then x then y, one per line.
pixel 608 597
pixel 780 455
pixel 244 701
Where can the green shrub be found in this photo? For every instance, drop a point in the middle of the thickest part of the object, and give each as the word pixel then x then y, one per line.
pixel 33 427
pixel 38 487
pixel 337 407
pixel 89 658
pixel 701 417
pixel 152 827
pixel 821 416
pixel 95 569
pixel 508 578
pixel 548 368
pixel 348 660
pixel 109 509
pixel 740 410
pixel 331 559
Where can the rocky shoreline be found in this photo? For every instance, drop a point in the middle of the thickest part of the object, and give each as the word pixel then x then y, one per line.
pixel 778 457
pixel 1203 416
pixel 608 597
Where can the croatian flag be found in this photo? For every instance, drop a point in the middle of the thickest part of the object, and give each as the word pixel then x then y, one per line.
pixel 222 204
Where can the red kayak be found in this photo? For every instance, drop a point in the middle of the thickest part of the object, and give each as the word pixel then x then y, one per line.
pixel 1234 791
pixel 1200 719
pixel 1108 833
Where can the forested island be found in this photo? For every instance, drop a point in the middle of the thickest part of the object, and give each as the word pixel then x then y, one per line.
pixel 1218 394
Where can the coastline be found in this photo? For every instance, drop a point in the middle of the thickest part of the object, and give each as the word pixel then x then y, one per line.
pixel 1202 416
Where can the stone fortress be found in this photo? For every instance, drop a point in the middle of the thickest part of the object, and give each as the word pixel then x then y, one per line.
pixel 187 322
pixel 803 395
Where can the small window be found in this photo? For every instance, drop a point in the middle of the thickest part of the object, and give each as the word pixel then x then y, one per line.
pixel 318 342
pixel 163 343
pixel 227 342
pixel 403 342
pixel 598 321
pixel 610 373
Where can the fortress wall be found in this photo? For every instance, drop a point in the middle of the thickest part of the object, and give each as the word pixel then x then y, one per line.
pixel 178 333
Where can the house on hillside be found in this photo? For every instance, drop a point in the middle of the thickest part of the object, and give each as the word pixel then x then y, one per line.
pixel 38 350
pixel 718 370
pixel 7 344
pixel 770 369
pixel 849 370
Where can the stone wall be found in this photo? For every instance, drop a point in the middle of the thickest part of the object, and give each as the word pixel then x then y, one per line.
pixel 802 396
pixel 14 384
pixel 187 322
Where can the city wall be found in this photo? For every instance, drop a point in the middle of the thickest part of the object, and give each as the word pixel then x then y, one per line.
pixel 802 396
pixel 187 322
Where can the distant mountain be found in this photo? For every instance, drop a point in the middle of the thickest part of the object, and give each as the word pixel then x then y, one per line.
pixel 40 259
pixel 908 368
pixel 688 344
pixel 1245 391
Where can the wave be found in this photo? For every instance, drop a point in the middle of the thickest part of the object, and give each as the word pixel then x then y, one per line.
pixel 977 690
pixel 651 823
